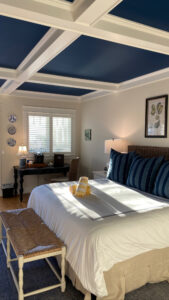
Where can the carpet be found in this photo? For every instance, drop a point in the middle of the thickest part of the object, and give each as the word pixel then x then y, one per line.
pixel 38 274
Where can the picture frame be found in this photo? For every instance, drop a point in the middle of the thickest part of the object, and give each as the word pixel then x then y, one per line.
pixel 88 134
pixel 156 117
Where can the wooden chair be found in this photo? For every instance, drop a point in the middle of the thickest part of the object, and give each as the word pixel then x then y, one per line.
pixel 72 174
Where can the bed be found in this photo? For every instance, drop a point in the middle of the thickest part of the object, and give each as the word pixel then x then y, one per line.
pixel 119 236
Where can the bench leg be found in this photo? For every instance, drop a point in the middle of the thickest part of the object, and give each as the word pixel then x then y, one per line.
pixel 63 282
pixel 20 265
pixel 8 258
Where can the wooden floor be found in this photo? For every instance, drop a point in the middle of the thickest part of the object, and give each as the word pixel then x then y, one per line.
pixel 13 203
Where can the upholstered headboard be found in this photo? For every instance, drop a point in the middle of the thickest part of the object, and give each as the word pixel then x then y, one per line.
pixel 149 151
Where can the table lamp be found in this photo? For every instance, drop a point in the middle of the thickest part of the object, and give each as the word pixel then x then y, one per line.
pixel 22 152
pixel 117 144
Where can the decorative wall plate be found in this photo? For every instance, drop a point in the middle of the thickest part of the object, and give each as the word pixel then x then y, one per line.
pixel 12 118
pixel 11 142
pixel 12 130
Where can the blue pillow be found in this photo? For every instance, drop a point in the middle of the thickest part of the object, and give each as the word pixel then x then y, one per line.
pixel 143 172
pixel 119 165
pixel 161 187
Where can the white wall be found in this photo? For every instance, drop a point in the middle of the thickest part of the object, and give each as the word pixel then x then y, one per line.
pixel 117 115
pixel 8 155
pixel 121 115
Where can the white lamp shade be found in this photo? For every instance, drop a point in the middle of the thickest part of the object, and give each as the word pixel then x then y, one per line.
pixel 119 145
pixel 22 151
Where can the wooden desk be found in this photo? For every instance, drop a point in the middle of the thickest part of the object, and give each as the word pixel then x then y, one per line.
pixel 21 172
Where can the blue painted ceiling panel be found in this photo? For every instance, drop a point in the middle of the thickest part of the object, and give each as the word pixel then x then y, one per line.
pixel 17 39
pixel 1 82
pixel 149 12
pixel 53 89
pixel 95 59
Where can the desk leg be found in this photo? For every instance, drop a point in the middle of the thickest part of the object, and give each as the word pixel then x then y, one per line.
pixel 15 181
pixel 21 187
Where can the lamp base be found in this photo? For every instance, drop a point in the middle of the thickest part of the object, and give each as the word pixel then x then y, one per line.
pixel 22 162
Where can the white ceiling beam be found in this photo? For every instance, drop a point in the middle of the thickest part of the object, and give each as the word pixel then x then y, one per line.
pixel 54 42
pixel 90 11
pixel 33 54
pixel 143 80
pixel 52 47
pixel 135 34
pixel 55 80
pixel 98 86
pixel 8 73
pixel 111 28
pixel 46 96
pixel 72 82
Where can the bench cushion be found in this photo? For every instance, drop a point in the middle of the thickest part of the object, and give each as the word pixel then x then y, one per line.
pixel 28 234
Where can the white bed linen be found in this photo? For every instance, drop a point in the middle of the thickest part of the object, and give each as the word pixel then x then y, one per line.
pixel 96 241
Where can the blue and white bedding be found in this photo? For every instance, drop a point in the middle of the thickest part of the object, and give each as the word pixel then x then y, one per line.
pixel 112 225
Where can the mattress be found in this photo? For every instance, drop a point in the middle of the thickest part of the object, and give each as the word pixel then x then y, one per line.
pixel 111 226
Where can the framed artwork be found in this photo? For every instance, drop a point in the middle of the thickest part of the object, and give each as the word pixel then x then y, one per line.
pixel 156 117
pixel 88 134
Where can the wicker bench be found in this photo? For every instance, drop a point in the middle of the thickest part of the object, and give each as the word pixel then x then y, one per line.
pixel 31 240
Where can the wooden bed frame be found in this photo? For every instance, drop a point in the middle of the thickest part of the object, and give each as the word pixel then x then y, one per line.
pixel 150 151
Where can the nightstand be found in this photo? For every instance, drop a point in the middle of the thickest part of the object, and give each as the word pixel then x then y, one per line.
pixel 99 174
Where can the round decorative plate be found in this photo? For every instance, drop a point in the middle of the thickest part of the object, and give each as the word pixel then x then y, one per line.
pixel 12 118
pixel 12 130
pixel 11 142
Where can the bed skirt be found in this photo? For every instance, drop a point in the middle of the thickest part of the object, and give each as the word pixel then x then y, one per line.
pixel 124 277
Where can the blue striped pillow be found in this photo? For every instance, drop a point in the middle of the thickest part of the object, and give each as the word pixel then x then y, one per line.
pixel 119 165
pixel 143 172
pixel 161 187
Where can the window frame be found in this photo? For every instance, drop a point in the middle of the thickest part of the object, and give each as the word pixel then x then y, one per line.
pixel 51 112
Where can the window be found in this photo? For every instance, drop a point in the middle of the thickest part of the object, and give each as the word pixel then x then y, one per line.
pixel 38 134
pixel 61 134
pixel 49 130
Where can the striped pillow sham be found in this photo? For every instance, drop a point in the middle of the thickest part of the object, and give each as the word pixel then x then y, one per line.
pixel 119 165
pixel 143 172
pixel 161 187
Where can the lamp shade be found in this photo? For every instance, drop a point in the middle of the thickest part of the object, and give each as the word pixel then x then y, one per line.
pixel 22 151
pixel 117 144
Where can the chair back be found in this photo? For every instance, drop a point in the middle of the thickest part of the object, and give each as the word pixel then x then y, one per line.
pixel 73 171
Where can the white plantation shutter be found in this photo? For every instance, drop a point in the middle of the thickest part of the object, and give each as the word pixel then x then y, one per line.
pixel 62 134
pixel 49 130
pixel 38 133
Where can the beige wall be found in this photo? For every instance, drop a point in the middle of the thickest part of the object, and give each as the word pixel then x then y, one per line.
pixel 8 105
pixel 117 115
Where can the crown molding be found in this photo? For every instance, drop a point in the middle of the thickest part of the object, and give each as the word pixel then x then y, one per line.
pixel 46 96
pixel 144 80
pixel 94 95
pixel 73 82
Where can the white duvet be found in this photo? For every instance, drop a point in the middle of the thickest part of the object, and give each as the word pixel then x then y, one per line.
pixel 115 223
